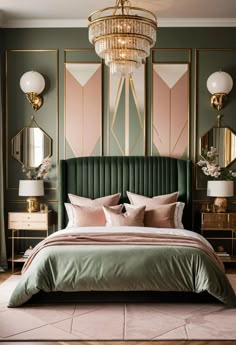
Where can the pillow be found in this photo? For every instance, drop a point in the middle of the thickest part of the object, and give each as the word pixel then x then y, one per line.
pixel 80 216
pixel 161 216
pixel 109 200
pixel 178 215
pixel 136 199
pixel 133 217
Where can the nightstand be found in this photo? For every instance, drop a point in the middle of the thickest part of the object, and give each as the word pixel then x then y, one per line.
pixel 24 221
pixel 220 230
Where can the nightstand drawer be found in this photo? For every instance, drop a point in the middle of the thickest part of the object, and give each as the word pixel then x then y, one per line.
pixel 28 225
pixel 27 217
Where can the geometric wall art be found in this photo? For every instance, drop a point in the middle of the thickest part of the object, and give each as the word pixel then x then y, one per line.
pixel 126 114
pixel 83 109
pixel 170 109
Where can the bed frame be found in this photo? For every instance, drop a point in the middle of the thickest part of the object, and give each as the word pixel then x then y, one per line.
pixel 95 177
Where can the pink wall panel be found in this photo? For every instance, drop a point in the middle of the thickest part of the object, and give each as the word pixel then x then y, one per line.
pixel 83 113
pixel 161 115
pixel 170 116
pixel 73 109
pixel 179 117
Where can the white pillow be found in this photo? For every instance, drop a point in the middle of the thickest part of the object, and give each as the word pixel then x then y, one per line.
pixel 178 215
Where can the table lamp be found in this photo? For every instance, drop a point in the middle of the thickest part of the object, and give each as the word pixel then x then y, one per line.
pixel 220 190
pixel 32 189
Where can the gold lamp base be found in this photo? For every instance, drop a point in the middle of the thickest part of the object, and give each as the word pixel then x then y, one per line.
pixel 32 204
pixel 220 204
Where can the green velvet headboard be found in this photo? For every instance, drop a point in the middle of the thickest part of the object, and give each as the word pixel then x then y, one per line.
pixel 94 177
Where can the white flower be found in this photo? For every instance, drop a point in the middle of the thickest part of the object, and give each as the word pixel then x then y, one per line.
pixel 210 167
pixel 40 172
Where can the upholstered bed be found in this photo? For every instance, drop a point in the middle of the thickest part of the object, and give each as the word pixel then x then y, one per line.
pixel 134 259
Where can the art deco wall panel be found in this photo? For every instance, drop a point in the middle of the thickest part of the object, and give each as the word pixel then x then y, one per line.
pixel 83 108
pixel 208 61
pixel 83 104
pixel 170 104
pixel 126 114
pixel 19 113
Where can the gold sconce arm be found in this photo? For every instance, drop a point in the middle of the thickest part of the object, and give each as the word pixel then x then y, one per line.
pixel 217 100
pixel 35 100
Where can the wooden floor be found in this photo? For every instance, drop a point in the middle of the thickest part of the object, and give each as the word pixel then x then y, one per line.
pixel 6 275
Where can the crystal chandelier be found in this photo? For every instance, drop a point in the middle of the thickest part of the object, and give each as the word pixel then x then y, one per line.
pixel 122 36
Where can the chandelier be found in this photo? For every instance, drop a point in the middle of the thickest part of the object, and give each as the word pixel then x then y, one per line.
pixel 122 36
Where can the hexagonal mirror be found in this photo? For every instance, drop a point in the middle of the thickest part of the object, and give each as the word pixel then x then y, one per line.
pixel 224 140
pixel 30 146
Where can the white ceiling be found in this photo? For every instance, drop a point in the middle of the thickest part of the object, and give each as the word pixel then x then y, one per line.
pixel 74 13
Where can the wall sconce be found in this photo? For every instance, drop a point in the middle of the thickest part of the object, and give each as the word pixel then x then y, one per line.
pixel 32 84
pixel 219 84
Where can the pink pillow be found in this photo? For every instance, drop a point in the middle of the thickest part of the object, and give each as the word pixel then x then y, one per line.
pixel 133 217
pixel 80 216
pixel 109 200
pixel 138 200
pixel 161 216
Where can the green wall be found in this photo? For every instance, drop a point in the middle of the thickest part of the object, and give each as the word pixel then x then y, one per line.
pixel 211 49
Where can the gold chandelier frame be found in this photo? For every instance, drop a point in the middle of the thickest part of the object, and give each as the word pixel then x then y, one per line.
pixel 123 45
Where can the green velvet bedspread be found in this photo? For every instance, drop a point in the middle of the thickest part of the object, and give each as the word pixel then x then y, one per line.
pixel 122 268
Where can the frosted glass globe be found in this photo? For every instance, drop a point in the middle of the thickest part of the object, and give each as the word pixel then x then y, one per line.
pixel 32 82
pixel 219 82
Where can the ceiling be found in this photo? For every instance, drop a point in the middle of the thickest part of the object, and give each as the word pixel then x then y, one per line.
pixel 74 13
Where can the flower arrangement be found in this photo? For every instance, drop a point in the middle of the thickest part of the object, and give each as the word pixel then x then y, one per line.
pixel 211 168
pixel 40 172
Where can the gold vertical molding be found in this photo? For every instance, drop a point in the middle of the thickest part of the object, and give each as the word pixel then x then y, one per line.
pixel 127 116
pixel 196 118
pixel 186 61
pixel 7 109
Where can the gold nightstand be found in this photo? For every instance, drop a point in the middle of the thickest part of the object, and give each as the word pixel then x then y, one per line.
pixel 220 230
pixel 24 221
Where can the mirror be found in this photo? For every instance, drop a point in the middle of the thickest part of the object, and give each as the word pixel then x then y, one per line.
pixel 30 146
pixel 224 140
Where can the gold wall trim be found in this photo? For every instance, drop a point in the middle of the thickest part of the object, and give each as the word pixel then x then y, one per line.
pixel 195 122
pixel 8 51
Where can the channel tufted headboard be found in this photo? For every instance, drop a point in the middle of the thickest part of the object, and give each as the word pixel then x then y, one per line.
pixel 95 177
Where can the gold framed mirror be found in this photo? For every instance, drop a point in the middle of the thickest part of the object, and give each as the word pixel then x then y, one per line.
pixel 224 140
pixel 31 145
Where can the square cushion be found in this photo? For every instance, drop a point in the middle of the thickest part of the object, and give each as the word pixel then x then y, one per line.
pixel 161 216
pixel 133 217
pixel 80 216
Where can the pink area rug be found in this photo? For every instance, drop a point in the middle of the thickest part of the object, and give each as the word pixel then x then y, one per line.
pixel 120 321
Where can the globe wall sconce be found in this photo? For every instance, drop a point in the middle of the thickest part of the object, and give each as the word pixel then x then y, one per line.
pixel 32 84
pixel 219 84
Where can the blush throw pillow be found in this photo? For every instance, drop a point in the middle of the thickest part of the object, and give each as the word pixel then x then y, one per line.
pixel 83 216
pixel 133 217
pixel 109 200
pixel 161 216
pixel 137 199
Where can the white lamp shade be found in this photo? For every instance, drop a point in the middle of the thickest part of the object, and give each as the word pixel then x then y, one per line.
pixel 31 188
pixel 220 188
pixel 32 82
pixel 219 82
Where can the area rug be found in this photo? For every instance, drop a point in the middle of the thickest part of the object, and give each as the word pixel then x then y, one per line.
pixel 118 321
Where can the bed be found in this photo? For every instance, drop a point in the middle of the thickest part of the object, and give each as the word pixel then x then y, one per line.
pixel 95 261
